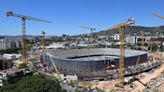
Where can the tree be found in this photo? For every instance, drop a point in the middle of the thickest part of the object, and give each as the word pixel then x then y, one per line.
pixel 10 51
pixel 23 66
pixel 35 83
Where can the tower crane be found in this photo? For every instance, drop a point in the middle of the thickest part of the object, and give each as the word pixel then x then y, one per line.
pixel 122 27
pixel 156 14
pixel 24 18
pixel 43 47
pixel 43 41
pixel 91 34
pixel 90 40
pixel 90 28
pixel 142 42
pixel 43 51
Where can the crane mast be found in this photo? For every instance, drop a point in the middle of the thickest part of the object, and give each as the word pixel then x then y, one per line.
pixel 91 33
pixel 90 40
pixel 157 15
pixel 43 41
pixel 143 42
pixel 122 27
pixel 24 54
pixel 24 18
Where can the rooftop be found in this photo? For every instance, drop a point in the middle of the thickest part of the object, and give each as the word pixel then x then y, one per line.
pixel 94 53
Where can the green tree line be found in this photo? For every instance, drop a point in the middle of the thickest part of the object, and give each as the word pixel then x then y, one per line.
pixel 35 83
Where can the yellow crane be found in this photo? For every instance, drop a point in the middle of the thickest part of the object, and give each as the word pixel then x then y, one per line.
pixel 143 40
pixel 158 15
pixel 122 27
pixel 90 40
pixel 56 70
pixel 91 34
pixel 43 47
pixel 43 51
pixel 135 67
pixel 43 41
pixel 24 18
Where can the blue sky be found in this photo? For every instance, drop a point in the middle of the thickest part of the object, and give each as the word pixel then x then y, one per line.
pixel 68 15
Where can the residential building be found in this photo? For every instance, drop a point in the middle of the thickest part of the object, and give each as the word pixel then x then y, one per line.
pixel 10 42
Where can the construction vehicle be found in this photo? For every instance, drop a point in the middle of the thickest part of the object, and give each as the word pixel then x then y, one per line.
pixel 122 27
pixel 90 42
pixel 24 18
pixel 158 15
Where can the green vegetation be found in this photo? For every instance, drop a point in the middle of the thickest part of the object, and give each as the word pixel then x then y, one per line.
pixel 150 90
pixel 23 66
pixel 35 83
pixel 81 90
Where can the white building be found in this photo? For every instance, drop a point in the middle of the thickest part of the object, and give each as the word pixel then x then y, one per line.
pixel 132 39
pixel 3 43
pixel 116 37
pixel 11 56
pixel 10 42
pixel 55 46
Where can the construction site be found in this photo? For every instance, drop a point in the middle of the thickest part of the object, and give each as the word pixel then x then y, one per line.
pixel 95 66
pixel 109 69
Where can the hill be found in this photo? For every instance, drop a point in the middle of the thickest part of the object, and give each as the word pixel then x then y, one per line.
pixel 136 30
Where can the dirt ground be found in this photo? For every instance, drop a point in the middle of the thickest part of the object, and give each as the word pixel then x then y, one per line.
pixel 108 85
pixel 161 87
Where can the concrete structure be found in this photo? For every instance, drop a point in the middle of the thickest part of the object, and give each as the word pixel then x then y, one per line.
pixel 55 46
pixel 102 38
pixel 11 56
pixel 10 42
pixel 5 63
pixel 2 77
pixel 12 76
pixel 94 64
pixel 147 40
pixel 132 39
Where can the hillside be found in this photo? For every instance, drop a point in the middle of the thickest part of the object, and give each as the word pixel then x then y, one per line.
pixel 136 30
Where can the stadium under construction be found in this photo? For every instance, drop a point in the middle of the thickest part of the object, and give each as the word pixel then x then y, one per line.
pixel 93 63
